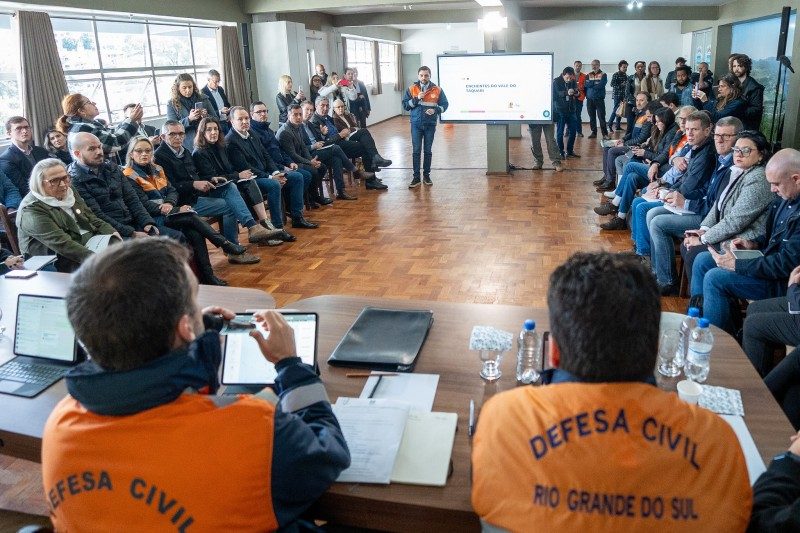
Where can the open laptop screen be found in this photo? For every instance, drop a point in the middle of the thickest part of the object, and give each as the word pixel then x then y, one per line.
pixel 43 329
pixel 244 364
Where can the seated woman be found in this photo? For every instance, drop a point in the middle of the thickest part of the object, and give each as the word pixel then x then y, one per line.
pixel 741 210
pixel 55 143
pixel 80 115
pixel 211 161
pixel 161 201
pixel 54 219
pixel 729 101
pixel 314 85
pixel 637 175
pixel 634 137
pixel 346 121
pixel 286 97
pixel 188 106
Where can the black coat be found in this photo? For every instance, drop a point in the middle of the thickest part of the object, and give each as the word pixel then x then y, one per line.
pixel 249 154
pixel 17 167
pixel 206 91
pixel 753 95
pixel 213 161
pixel 180 172
pixel 292 142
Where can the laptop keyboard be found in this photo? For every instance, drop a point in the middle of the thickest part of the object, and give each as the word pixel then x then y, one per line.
pixel 32 372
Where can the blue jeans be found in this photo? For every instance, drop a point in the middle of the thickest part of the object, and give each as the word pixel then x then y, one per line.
pixel 422 142
pixel 613 116
pixel 663 228
pixel 639 232
pixel 335 158
pixel 718 286
pixel 633 178
pixel 228 203
pixel 610 156
pixel 567 120
pixel 271 189
pixel 579 116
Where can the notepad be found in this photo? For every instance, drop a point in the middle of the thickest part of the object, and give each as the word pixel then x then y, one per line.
pixel 417 390
pixel 38 262
pixel 424 455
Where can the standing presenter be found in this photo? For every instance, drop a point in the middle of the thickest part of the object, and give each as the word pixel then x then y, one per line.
pixel 425 101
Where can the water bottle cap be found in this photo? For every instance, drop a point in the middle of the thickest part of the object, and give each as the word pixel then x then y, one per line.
pixel 694 312
pixel 529 325
pixel 703 323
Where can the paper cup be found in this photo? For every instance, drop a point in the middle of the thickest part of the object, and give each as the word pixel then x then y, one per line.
pixel 689 391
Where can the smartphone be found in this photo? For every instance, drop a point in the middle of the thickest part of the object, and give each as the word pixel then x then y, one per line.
pixel 198 106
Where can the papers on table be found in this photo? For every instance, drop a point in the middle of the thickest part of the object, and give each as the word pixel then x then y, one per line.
pixel 416 390
pixel 394 436
pixel 38 262
pixel 755 465
pixel 98 243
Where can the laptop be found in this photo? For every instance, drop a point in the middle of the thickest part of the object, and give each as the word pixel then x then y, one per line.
pixel 44 344
pixel 246 370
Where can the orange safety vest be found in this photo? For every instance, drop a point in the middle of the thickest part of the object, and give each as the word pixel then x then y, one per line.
pixel 580 81
pixel 186 466
pixel 150 183
pixel 429 99
pixel 606 457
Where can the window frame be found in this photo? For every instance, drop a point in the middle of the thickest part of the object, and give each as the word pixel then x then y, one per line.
pixel 375 65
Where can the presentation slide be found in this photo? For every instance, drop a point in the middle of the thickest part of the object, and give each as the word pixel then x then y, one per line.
pixel 491 88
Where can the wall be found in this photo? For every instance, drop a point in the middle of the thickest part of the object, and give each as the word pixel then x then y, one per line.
pixel 646 40
pixel 279 48
pixel 431 40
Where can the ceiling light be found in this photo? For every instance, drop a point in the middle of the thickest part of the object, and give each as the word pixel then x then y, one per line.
pixel 489 3
pixel 608 23
pixel 639 4
pixel 630 5
pixel 492 22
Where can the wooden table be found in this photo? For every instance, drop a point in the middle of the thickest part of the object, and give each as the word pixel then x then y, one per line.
pixel 408 507
pixel 22 419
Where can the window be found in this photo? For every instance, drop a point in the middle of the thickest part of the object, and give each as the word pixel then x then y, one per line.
pixel 114 63
pixel 359 56
pixel 10 103
pixel 387 54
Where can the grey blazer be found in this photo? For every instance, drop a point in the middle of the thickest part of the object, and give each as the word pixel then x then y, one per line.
pixel 743 212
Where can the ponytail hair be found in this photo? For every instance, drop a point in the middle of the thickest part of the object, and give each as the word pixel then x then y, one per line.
pixel 70 105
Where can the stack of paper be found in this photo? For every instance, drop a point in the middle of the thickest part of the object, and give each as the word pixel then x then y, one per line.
pixel 393 436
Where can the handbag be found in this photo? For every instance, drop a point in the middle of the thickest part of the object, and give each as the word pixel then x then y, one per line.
pixel 622 109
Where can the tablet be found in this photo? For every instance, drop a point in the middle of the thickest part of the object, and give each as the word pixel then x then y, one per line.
pixel 747 254
pixel 244 364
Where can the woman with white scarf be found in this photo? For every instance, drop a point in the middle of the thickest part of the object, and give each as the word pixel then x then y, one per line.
pixel 54 219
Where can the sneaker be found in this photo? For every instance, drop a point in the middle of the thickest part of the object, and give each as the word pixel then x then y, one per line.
pixel 615 224
pixel 558 166
pixel 414 183
pixel 427 180
pixel 259 233
pixel 270 227
pixel 607 209
pixel 243 259
pixel 273 242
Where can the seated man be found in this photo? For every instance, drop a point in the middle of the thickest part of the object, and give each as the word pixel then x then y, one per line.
pixel 718 278
pixel 588 451
pixel 259 125
pixel 18 159
pixel 245 152
pixel 353 144
pixel 294 141
pixel 205 197
pixel 9 195
pixel 139 419
pixel 107 192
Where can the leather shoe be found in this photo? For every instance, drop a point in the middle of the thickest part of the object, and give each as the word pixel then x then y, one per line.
pixel 375 185
pixel 573 155
pixel 381 162
pixel 214 280
pixel 606 209
pixel 345 196
pixel 606 186
pixel 232 248
pixel 669 289
pixel 302 223
pixel 597 183
pixel 614 224
pixel 324 201
pixel 285 236
pixel 363 175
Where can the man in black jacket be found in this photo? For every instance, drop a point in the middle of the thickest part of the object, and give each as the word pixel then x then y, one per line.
pixel 208 198
pixel 722 277
pixel 752 92
pixel 108 193
pixel 293 142
pixel 245 151
pixel 21 155
pixel 565 96
pixel 218 98
pixel 776 493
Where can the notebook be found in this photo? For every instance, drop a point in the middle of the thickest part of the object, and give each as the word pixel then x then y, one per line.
pixel 44 343
pixel 384 339
pixel 244 364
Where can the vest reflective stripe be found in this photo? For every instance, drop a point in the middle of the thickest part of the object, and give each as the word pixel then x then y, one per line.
pixel 606 457
pixel 186 466
pixel 431 97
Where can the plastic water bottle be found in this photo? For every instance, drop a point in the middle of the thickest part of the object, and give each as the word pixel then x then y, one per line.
pixel 688 324
pixel 529 356
pixel 701 343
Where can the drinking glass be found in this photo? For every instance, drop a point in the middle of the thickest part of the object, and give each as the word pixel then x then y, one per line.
pixel 491 364
pixel 667 347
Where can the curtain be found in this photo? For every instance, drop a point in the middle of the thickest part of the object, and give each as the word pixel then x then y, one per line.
pixel 376 68
pixel 344 56
pixel 398 85
pixel 42 82
pixel 233 73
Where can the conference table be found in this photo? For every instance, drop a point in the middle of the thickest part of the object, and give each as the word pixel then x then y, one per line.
pixel 445 352
pixel 22 419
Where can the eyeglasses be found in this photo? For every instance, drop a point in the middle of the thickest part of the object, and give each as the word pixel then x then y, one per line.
pixel 57 181
pixel 746 151
pixel 260 111
pixel 174 134
pixel 724 135
pixel 87 102
pixel 140 151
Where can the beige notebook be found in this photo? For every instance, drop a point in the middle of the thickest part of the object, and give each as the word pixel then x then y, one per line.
pixel 424 455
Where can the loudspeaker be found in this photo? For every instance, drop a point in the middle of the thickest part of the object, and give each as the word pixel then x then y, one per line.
pixel 246 45
pixel 787 12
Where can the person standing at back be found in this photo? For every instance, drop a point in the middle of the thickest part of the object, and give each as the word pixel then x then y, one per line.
pixel 580 81
pixel 595 85
pixel 426 101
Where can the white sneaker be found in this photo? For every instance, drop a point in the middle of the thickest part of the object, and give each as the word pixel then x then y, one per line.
pixel 610 194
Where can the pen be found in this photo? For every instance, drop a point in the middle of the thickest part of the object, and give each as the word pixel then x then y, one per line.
pixel 377 383
pixel 368 374
pixel 471 427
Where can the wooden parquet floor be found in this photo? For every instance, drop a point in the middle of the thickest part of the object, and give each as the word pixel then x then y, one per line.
pixel 469 238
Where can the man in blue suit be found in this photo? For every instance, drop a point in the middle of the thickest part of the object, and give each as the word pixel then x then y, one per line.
pixel 21 155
